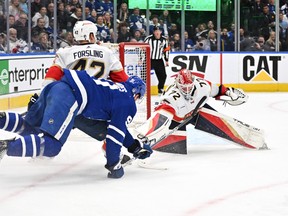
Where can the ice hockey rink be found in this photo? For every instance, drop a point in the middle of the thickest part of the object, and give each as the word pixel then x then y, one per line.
pixel 215 178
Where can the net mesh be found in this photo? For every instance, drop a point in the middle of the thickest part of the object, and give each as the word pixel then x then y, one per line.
pixel 133 57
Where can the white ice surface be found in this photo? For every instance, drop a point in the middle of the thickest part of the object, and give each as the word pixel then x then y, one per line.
pixel 215 178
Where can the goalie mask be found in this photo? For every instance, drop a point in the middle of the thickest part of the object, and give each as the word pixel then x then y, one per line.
pixel 138 86
pixel 83 29
pixel 184 82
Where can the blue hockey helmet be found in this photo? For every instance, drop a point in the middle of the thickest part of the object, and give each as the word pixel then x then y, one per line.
pixel 138 86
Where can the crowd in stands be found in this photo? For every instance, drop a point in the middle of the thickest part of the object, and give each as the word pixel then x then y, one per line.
pixel 257 27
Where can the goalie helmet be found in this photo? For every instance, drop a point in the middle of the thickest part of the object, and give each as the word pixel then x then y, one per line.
pixel 83 29
pixel 138 86
pixel 184 82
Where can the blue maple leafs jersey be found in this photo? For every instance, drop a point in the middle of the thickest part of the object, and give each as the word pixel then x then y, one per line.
pixel 104 100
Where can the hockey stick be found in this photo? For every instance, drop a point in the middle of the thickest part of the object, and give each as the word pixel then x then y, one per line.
pixel 184 122
pixel 146 140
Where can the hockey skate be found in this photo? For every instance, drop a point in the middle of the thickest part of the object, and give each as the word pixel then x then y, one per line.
pixel 4 147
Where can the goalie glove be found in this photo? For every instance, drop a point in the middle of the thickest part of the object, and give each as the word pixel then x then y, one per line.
pixel 237 96
pixel 140 151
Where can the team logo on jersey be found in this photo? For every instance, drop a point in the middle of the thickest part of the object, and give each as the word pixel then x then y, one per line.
pixel 129 120
pixel 260 68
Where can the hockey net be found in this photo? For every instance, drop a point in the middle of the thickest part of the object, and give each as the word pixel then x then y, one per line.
pixel 135 58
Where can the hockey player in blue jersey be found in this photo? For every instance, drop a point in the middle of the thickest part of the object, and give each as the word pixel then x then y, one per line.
pixel 49 121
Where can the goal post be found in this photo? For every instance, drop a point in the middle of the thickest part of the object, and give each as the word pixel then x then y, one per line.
pixel 135 59
pixel 137 56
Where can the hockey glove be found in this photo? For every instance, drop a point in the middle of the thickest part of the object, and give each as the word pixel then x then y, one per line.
pixel 115 171
pixel 237 96
pixel 140 151
pixel 32 100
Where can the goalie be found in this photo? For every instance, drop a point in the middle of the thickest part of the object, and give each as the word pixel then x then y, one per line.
pixel 177 104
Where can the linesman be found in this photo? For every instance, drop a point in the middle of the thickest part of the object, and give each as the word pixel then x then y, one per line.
pixel 159 49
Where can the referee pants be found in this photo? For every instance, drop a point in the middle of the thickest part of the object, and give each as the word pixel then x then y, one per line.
pixel 159 67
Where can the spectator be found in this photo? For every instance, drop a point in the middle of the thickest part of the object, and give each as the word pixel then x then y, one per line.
pixel 271 6
pixel 16 45
pixel 93 16
pixel 103 32
pixel 248 43
pixel 98 5
pixel 62 17
pixel 50 10
pixel 212 40
pixel 261 43
pixel 284 8
pixel 67 40
pixel 226 43
pixel 271 43
pixel 108 7
pixel 267 22
pixel 155 22
pixel 11 20
pixel 73 18
pixel 3 46
pixel 3 25
pixel 107 20
pixel 43 45
pixel 15 9
pixel 74 4
pixel 173 30
pixel 41 14
pixel 165 20
pixel 123 13
pixel 40 27
pixel 202 44
pixel 87 12
pixel 35 7
pixel 176 43
pixel 200 28
pixel 257 8
pixel 210 27
pixel 90 5
pixel 136 21
pixel 21 25
pixel 124 35
pixel 24 6
pixel 188 42
pixel 283 30
pixel 138 36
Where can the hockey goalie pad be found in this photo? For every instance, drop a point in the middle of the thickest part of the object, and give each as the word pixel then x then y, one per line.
pixel 155 128
pixel 174 143
pixel 230 129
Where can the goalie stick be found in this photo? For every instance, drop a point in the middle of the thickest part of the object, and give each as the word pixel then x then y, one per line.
pixel 146 140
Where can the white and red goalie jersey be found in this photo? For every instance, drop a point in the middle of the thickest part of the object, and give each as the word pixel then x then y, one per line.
pixel 176 104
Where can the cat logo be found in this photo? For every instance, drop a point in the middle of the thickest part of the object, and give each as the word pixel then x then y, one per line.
pixel 262 68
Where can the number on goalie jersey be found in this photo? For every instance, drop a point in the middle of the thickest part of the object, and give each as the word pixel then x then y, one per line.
pixel 178 102
pixel 53 116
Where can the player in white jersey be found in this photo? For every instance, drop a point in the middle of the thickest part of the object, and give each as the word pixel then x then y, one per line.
pixel 178 102
pixel 98 61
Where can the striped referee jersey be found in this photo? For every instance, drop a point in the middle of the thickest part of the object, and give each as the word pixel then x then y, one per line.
pixel 158 47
